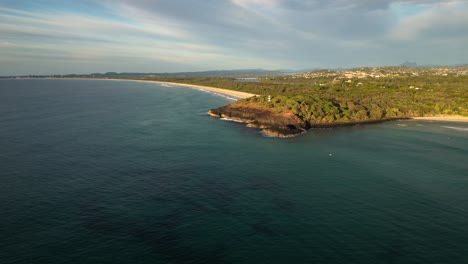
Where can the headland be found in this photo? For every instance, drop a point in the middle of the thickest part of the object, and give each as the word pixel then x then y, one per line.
pixel 290 104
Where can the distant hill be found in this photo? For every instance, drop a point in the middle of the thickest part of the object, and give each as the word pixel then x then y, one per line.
pixel 409 64
pixel 217 73
pixel 223 73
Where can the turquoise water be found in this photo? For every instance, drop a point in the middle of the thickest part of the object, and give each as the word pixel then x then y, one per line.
pixel 127 172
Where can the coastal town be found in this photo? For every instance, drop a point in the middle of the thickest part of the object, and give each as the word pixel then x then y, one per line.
pixel 384 72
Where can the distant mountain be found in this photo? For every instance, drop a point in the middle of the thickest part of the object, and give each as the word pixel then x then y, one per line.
pixel 409 64
pixel 292 71
pixel 217 73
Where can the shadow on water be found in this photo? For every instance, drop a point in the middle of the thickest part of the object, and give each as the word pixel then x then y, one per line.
pixel 392 252
pixel 167 234
pixel 262 227
pixel 283 204
pixel 163 236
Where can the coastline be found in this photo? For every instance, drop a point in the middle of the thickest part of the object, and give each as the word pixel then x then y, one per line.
pixel 220 91
pixel 269 123
pixel 282 126
pixel 232 94
pixel 226 92
pixel 446 118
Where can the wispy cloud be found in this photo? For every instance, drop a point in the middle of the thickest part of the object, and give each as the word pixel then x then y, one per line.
pixel 181 35
pixel 7 45
pixel 448 21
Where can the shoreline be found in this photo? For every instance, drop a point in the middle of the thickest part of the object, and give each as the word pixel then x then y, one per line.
pixel 225 92
pixel 444 118
pixel 236 95
pixel 273 130
pixel 230 94
pixel 284 130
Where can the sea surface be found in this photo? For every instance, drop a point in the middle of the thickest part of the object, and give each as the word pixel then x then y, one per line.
pixel 127 172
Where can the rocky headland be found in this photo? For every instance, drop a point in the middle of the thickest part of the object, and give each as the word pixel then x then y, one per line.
pixel 276 122
pixel 288 105
pixel 270 121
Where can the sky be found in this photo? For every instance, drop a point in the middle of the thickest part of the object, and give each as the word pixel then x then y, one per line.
pixel 85 36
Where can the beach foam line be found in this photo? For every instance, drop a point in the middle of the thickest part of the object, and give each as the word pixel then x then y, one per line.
pixel 456 128
pixel 234 95
pixel 219 94
pixel 229 94
pixel 231 120
pixel 446 118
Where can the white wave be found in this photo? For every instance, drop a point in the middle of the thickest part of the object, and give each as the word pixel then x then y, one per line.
pixel 403 125
pixel 231 120
pixel 166 85
pixel 218 94
pixel 456 128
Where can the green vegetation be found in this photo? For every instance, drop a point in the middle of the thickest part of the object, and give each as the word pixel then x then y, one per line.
pixel 357 95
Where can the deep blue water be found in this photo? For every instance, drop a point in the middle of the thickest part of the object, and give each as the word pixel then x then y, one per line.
pixel 127 172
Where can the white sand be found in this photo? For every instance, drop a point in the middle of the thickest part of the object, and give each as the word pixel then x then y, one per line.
pixel 451 118
pixel 225 92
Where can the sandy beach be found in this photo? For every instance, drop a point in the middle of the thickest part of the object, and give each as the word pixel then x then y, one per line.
pixel 223 92
pixel 227 92
pixel 448 118
pixel 220 91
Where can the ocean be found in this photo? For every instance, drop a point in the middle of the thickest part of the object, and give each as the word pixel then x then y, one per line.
pixel 128 172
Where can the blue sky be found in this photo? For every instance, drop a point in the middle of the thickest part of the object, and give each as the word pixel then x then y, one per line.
pixel 84 36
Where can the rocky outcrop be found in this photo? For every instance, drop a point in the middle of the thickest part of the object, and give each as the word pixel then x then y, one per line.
pixel 276 122
pixel 269 121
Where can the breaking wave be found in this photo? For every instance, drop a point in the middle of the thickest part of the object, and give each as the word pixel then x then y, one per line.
pixel 456 128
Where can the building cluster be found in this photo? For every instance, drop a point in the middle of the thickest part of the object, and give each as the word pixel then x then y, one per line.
pixel 383 72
